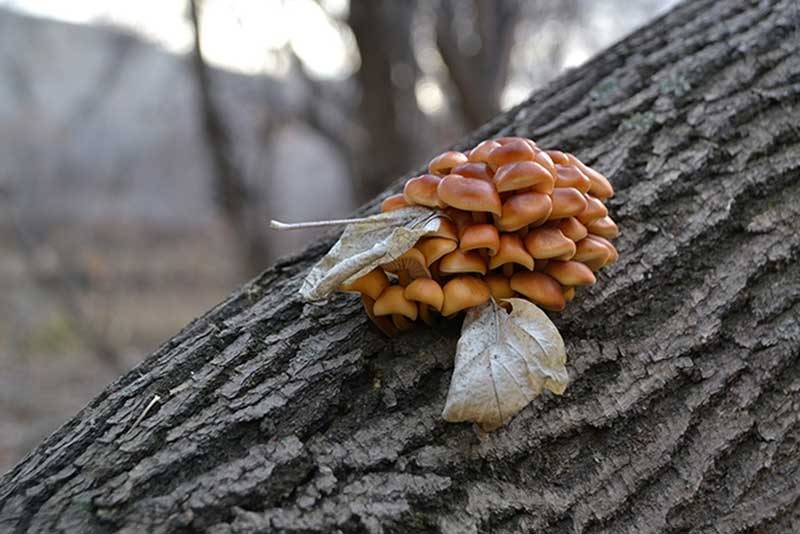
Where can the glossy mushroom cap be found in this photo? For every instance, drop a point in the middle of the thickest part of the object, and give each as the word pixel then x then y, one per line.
pixel 425 291
pixel 482 150
pixel 479 236
pixel 371 284
pixel 592 252
pixel 524 175
pixel 601 187
pixel 412 262
pixel 572 228
pixel 510 152
pixel 383 323
pixel 499 286
pixel 539 288
pixel 558 157
pixel 464 292
pixel 474 169
pixel 434 248
pixel 460 261
pixel 392 301
pixel 422 190
pixel 567 202
pixel 393 202
pixel 444 163
pixel 604 227
pixel 523 209
pixel 544 243
pixel 469 194
pixel 570 273
pixel 511 250
pixel 571 176
pixel 447 229
pixel 595 209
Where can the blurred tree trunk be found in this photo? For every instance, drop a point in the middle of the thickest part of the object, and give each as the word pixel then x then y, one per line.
pixel 231 193
pixel 272 415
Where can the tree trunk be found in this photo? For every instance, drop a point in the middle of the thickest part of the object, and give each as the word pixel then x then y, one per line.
pixel 682 414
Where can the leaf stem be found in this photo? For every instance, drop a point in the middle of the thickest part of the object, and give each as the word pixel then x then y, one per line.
pixel 278 225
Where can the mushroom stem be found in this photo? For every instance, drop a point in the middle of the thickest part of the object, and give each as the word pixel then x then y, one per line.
pixel 403 277
pixel 278 225
pixel 401 323
pixel 508 270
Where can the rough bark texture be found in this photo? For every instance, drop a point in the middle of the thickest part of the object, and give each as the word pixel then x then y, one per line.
pixel 682 414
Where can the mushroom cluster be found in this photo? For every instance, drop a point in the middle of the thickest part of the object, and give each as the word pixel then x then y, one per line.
pixel 519 221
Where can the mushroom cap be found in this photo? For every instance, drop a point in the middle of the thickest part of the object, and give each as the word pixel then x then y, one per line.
pixel 371 284
pixel 460 261
pixel 462 292
pixel 604 227
pixel 544 243
pixel 544 159
pixel 558 157
pixel 383 323
pixel 434 248
pixel 481 151
pixel 422 190
pixel 391 301
pixel 571 227
pixel 511 250
pixel 513 138
pixel 567 202
pixel 591 251
pixel 570 273
pixel 474 169
pixel 523 209
pixel 601 187
pixel 599 243
pixel 499 286
pixel 510 152
pixel 469 194
pixel 444 162
pixel 571 176
pixel 393 202
pixel 425 291
pixel 540 289
pixel 412 261
pixel 477 236
pixel 595 209
pixel 569 293
pixel 523 175
pixel 447 229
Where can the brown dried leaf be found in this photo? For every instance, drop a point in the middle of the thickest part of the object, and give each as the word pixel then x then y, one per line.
pixel 503 361
pixel 365 245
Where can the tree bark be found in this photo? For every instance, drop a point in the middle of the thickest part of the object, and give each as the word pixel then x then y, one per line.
pixel 682 414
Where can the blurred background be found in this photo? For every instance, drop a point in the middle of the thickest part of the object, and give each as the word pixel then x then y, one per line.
pixel 145 144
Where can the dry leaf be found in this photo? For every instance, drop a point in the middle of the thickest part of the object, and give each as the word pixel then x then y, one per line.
pixel 503 361
pixel 365 245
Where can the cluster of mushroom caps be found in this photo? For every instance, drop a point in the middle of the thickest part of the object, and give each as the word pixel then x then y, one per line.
pixel 519 221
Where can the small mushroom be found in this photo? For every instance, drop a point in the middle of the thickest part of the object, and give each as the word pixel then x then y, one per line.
pixel 524 175
pixel 469 194
pixel 544 243
pixel 480 236
pixel 540 289
pixel 558 157
pixel 392 302
pixel 571 176
pixel 523 209
pixel 604 227
pixel 462 292
pixel 571 227
pixel 569 293
pixel 513 151
pixel 459 261
pixel 481 152
pixel 595 209
pixel 567 202
pixel 601 187
pixel 592 252
pixel 499 286
pixel 474 169
pixel 570 273
pixel 447 229
pixel 511 251
pixel 422 190
pixel 514 139
pixel 383 323
pixel 544 159
pixel 444 163
pixel 428 294
pixel 410 265
pixel 371 284
pixel 434 248
pixel 393 202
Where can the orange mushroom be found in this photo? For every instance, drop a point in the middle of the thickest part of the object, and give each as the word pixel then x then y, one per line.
pixel 469 195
